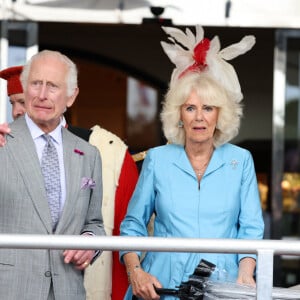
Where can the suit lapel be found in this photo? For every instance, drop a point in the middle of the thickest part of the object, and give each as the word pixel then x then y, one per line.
pixel 72 175
pixel 23 151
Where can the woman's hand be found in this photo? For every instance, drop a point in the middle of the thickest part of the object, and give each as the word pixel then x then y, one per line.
pixel 143 283
pixel 246 271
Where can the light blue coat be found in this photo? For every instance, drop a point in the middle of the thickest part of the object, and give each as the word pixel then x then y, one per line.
pixel 225 205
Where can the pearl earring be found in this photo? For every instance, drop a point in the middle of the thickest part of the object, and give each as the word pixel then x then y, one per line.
pixel 180 124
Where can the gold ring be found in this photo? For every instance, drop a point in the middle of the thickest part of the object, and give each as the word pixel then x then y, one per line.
pixel 86 263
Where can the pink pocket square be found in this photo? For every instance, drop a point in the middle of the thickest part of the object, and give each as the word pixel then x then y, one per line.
pixel 87 183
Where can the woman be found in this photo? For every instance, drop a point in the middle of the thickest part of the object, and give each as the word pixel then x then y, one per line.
pixel 199 185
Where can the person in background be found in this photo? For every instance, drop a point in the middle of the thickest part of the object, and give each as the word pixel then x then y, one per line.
pixel 198 185
pixel 106 278
pixel 49 80
pixel 14 90
pixel 16 97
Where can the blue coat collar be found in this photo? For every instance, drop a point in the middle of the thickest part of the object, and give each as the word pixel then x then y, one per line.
pixel 182 162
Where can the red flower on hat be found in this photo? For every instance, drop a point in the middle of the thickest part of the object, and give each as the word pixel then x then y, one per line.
pixel 200 52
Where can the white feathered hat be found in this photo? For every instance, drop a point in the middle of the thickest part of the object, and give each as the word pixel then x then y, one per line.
pixel 189 52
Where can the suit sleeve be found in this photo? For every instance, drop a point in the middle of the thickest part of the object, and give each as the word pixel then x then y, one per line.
pixel 94 219
pixel 127 181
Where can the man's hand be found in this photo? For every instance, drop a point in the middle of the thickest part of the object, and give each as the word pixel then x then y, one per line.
pixel 80 258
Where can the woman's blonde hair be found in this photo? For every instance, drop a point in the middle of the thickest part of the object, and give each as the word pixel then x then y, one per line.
pixel 212 93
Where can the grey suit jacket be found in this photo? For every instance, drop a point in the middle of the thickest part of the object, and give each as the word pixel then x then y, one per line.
pixel 27 274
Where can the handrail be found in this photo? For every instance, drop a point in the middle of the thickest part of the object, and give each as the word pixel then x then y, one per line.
pixel 36 241
pixel 265 249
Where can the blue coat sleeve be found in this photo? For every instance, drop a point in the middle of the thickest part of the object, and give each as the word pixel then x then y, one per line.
pixel 141 205
pixel 251 224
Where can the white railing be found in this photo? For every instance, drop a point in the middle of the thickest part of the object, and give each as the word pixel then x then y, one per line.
pixel 265 249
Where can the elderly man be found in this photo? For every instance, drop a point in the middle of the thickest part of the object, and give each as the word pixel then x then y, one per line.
pixel 65 198
pixel 106 278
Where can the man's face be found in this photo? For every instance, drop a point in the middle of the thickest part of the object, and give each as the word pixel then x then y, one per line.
pixel 17 102
pixel 46 92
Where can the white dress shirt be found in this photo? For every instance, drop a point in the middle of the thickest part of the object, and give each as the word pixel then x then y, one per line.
pixel 40 142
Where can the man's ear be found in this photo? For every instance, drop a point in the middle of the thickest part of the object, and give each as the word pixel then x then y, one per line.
pixel 72 98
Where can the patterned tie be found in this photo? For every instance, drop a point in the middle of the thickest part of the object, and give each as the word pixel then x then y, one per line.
pixel 50 170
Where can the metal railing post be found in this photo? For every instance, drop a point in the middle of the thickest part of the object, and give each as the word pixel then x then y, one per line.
pixel 264 274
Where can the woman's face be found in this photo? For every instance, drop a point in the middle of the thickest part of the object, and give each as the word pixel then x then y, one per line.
pixel 199 119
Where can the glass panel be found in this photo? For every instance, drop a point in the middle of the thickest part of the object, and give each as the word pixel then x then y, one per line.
pixel 288 142
pixel 143 130
pixel 291 176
